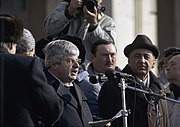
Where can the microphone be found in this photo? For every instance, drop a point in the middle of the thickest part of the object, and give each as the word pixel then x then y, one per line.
pixel 111 73
pixel 98 79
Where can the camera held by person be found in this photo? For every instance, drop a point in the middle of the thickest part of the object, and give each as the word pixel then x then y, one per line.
pixel 90 4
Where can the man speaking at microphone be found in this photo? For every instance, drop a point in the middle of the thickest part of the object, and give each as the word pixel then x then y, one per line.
pixel 146 110
pixel 103 56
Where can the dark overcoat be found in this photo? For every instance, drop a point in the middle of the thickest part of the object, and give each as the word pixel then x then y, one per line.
pixel 143 107
pixel 25 93
pixel 74 113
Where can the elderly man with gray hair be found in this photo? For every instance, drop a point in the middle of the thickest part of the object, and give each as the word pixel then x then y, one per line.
pixel 27 44
pixel 146 110
pixel 61 69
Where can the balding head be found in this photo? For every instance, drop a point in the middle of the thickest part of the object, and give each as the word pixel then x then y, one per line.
pixel 173 70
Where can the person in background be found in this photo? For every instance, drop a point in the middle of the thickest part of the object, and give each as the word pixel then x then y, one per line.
pixel 27 44
pixel 83 19
pixel 168 53
pixel 25 94
pixel 103 56
pixel 172 70
pixel 146 110
pixel 61 69
pixel 11 32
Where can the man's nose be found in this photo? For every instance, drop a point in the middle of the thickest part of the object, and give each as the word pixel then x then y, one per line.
pixel 109 57
pixel 76 64
pixel 142 59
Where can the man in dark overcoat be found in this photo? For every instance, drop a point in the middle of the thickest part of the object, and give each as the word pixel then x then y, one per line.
pixel 61 69
pixel 25 95
pixel 146 110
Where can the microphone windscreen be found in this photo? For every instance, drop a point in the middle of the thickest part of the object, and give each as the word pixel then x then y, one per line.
pixel 93 79
pixel 110 72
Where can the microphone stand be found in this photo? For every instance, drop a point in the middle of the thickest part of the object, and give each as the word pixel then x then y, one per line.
pixel 151 93
pixel 2 92
pixel 124 112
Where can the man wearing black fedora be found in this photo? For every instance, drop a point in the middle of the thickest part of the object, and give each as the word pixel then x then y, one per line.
pixel 146 110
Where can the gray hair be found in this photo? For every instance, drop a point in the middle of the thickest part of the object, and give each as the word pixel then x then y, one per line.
pixel 27 42
pixel 56 50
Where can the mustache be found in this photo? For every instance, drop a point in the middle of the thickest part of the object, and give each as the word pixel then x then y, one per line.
pixel 109 63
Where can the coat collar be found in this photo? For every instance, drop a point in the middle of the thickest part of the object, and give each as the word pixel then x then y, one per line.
pixel 3 50
pixel 154 85
pixel 63 92
pixel 153 78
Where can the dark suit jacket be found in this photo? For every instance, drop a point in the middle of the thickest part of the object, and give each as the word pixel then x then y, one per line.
pixel 24 92
pixel 73 113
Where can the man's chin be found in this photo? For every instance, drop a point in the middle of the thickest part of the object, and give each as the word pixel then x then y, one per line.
pixel 110 66
pixel 143 72
pixel 73 77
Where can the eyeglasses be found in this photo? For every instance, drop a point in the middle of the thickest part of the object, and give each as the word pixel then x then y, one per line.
pixel 72 61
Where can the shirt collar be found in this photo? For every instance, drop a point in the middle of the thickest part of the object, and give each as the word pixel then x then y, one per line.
pixel 145 82
pixel 60 82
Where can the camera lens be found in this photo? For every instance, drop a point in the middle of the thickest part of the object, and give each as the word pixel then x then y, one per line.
pixel 90 4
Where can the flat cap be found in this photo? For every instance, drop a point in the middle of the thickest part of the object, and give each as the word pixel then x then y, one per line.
pixel 170 51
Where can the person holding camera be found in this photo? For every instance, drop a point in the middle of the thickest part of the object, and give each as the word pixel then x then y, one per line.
pixel 83 19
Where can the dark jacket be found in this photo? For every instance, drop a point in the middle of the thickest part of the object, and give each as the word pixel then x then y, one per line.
pixel 143 113
pixel 24 92
pixel 74 113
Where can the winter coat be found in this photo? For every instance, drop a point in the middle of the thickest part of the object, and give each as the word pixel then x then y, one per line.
pixel 58 24
pixel 143 107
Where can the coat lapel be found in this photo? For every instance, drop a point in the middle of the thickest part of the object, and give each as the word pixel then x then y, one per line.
pixel 79 95
pixel 66 96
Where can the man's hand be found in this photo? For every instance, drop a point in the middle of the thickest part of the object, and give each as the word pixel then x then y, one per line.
pixel 108 124
pixel 91 17
pixel 74 6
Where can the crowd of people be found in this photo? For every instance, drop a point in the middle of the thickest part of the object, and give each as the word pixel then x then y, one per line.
pixel 78 81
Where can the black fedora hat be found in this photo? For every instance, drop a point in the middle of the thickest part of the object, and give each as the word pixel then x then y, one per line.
pixel 141 42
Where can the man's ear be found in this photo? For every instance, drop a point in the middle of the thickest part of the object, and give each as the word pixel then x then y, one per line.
pixel 129 61
pixel 54 66
pixel 11 46
pixel 153 65
pixel 92 56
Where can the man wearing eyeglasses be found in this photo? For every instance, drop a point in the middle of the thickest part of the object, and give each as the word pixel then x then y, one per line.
pixel 61 69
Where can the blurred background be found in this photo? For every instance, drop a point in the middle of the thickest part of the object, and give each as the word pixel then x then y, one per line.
pixel 158 19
